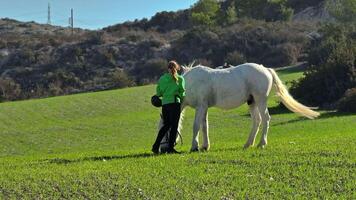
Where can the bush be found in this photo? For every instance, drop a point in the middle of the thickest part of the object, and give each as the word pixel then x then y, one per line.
pixel 97 38
pixel 235 58
pixel 277 11
pixel 274 45
pixel 230 15
pixel 204 62
pixel 332 70
pixel 3 44
pixel 149 71
pixel 342 10
pixel 55 89
pixel 63 79
pixel 121 79
pixel 348 102
pixel 10 90
pixel 24 57
pixel 282 55
pixel 205 12
pixel 168 21
pixel 104 57
pixel 70 55
pixel 264 10
pixel 198 43
pixel 299 5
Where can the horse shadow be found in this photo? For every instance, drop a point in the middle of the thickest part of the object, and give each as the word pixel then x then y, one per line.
pixel 325 115
pixel 279 109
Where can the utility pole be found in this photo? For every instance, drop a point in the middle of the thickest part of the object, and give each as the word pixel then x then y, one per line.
pixel 71 20
pixel 49 14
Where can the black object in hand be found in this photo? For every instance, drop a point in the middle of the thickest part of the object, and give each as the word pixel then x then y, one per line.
pixel 156 101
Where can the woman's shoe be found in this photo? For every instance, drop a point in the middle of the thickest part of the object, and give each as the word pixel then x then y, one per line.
pixel 155 150
pixel 173 151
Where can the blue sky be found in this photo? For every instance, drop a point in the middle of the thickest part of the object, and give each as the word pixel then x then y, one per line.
pixel 91 14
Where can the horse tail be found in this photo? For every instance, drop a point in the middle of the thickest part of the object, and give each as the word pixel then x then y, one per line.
pixel 289 101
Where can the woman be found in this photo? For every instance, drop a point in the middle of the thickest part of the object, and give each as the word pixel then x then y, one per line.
pixel 171 87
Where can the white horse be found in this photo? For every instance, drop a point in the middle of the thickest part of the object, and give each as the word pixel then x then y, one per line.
pixel 229 88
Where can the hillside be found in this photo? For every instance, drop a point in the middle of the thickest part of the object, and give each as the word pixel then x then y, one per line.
pixel 39 60
pixel 97 146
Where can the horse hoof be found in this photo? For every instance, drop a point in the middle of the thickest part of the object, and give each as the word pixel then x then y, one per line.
pixel 194 150
pixel 261 146
pixel 204 149
pixel 246 146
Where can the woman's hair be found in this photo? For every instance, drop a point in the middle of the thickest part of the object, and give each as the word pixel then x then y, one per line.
pixel 174 67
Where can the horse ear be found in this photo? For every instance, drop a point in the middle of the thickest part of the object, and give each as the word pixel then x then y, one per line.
pixel 183 68
pixel 192 64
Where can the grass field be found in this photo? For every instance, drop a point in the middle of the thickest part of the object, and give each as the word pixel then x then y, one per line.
pixel 97 146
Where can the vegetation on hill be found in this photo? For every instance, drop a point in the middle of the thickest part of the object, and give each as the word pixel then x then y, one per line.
pixel 342 10
pixel 332 70
pixel 42 60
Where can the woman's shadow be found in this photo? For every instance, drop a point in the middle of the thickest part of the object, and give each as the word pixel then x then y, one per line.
pixel 97 158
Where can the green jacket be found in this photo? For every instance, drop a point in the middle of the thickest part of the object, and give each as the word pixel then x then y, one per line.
pixel 168 89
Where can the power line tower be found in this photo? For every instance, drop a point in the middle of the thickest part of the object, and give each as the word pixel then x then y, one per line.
pixel 71 20
pixel 49 14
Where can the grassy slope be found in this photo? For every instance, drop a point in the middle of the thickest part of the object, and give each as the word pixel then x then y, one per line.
pixel 96 145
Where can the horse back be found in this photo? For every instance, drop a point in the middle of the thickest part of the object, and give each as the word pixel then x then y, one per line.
pixel 226 88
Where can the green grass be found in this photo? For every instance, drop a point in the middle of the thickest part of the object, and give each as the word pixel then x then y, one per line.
pixel 97 146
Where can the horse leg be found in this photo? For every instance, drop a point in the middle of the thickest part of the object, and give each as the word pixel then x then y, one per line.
pixel 197 122
pixel 256 121
pixel 205 129
pixel 262 106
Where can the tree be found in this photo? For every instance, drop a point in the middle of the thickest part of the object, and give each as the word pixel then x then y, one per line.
pixel 269 10
pixel 205 12
pixel 231 15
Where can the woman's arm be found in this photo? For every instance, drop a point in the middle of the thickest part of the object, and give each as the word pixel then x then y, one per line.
pixel 182 88
pixel 160 87
pixel 159 90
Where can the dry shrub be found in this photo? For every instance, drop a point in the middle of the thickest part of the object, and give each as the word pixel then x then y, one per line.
pixel 121 79
pixel 235 58
pixel 9 89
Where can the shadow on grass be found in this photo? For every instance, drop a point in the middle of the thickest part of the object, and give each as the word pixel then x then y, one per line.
pixel 97 158
pixel 325 115
pixel 300 67
pixel 119 157
pixel 279 109
pixel 274 110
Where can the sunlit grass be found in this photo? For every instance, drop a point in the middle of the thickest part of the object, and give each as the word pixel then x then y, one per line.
pixel 97 146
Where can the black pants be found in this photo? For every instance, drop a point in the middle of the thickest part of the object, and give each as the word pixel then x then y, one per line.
pixel 171 115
